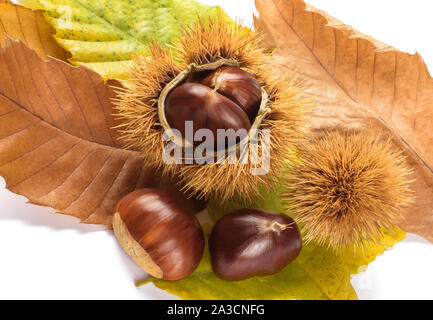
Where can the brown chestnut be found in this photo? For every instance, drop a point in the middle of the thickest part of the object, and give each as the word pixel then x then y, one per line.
pixel 252 242
pixel 158 233
pixel 237 85
pixel 207 109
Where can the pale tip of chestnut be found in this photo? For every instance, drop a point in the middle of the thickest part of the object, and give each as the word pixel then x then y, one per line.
pixel 134 249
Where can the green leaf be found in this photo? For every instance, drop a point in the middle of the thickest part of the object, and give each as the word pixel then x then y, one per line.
pixel 105 34
pixel 317 273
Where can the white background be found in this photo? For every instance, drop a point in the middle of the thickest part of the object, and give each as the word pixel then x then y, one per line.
pixel 46 256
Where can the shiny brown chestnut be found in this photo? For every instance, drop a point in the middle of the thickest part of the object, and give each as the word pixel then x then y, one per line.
pixel 237 85
pixel 207 109
pixel 252 242
pixel 162 237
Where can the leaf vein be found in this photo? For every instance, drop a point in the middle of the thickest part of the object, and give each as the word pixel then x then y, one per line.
pixel 90 183
pixel 69 175
pixel 316 58
pixel 48 165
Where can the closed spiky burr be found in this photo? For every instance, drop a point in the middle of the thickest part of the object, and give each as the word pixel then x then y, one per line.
pixel 347 188
pixel 165 89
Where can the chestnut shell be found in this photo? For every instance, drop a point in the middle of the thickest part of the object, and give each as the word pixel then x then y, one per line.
pixel 249 242
pixel 164 229
pixel 207 109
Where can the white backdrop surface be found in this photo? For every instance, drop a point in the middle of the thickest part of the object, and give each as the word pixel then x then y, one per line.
pixel 47 256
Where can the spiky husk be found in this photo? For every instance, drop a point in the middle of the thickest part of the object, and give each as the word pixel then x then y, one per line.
pixel 347 189
pixel 206 42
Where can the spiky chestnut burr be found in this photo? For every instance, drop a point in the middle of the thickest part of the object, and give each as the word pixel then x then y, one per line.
pixel 347 188
pixel 209 48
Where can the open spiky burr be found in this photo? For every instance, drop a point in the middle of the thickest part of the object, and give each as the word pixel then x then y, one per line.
pixel 219 77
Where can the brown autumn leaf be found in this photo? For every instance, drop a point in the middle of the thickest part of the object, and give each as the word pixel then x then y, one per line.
pixel 57 147
pixel 359 82
pixel 63 107
pixel 30 27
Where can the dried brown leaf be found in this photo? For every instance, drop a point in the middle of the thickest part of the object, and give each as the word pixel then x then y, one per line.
pixel 359 82
pixel 57 147
pixel 30 27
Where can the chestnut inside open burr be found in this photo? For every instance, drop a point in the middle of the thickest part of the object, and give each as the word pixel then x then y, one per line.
pixel 224 97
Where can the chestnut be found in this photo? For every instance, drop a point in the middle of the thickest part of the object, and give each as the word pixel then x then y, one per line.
pixel 158 233
pixel 237 85
pixel 252 242
pixel 207 109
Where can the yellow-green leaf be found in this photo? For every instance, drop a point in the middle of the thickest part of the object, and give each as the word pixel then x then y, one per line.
pixel 317 273
pixel 104 35
pixel 203 284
